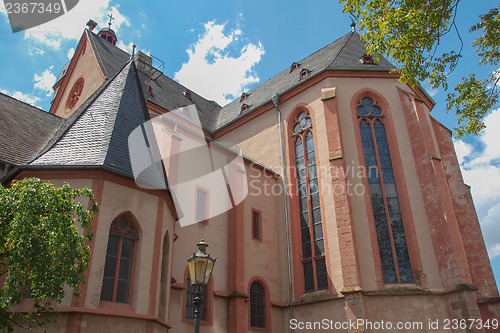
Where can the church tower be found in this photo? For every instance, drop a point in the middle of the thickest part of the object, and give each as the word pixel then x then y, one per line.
pixel 107 33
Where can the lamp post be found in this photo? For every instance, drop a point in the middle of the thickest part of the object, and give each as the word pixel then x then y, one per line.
pixel 200 266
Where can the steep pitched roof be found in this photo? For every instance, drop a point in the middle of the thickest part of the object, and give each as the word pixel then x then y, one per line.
pixel 343 54
pixel 109 57
pixel 97 133
pixel 24 130
pixel 167 93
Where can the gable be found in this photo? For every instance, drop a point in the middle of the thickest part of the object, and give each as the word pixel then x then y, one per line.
pixel 81 79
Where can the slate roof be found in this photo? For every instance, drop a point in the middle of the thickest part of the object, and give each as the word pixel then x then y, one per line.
pixel 24 130
pixel 343 54
pixel 109 57
pixel 167 93
pixel 96 135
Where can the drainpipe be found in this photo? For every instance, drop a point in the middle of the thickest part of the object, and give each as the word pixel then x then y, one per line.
pixel 276 98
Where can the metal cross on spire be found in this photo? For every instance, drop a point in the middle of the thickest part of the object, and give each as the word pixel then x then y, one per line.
pixel 110 20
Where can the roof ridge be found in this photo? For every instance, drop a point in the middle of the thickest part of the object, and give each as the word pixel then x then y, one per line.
pixel 70 121
pixel 132 114
pixel 300 61
pixel 342 49
pixel 93 38
pixel 324 47
pixel 30 105
pixel 96 52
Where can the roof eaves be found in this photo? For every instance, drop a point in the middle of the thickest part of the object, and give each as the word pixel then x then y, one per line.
pixel 299 83
pixel 14 172
pixel 269 100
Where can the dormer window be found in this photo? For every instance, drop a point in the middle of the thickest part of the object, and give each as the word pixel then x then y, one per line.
pixel 187 94
pixel 244 108
pixel 294 66
pixel 366 59
pixel 150 91
pixel 304 73
pixel 243 97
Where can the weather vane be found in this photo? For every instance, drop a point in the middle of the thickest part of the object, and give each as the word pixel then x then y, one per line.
pixel 110 20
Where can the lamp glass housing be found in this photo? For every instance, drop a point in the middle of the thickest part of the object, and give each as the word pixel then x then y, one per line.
pixel 200 269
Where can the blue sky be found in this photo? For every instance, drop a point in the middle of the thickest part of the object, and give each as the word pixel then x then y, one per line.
pixel 221 48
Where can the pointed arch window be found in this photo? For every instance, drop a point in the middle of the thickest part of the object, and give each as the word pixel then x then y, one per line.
pixel 311 227
pixel 391 238
pixel 120 259
pixel 257 305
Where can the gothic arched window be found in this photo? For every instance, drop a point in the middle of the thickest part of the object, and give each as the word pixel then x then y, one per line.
pixel 257 305
pixel 391 238
pixel 120 255
pixel 313 248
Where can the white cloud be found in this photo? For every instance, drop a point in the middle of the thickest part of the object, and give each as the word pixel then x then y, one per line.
pixel 127 48
pixel 432 91
pixel 71 52
pixel 33 50
pixel 45 81
pixel 490 226
pixel 462 149
pixel 27 98
pixel 71 24
pixel 481 170
pixel 212 72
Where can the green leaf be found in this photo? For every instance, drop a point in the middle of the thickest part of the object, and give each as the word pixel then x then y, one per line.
pixel 409 33
pixel 41 248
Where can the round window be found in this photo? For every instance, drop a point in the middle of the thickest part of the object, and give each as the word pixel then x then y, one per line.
pixel 74 94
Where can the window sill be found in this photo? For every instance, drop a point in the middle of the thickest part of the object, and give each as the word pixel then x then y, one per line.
pixel 258 329
pixel 191 322
pixel 118 308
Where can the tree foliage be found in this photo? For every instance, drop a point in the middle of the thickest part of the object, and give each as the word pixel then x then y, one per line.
pixel 410 33
pixel 41 247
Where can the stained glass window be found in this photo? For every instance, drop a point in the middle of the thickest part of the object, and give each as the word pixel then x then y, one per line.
pixel 391 238
pixel 311 227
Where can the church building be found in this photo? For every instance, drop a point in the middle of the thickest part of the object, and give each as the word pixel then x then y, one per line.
pixel 353 214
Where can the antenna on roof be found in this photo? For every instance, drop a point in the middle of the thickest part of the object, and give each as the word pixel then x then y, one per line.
pixel 111 18
pixel 353 24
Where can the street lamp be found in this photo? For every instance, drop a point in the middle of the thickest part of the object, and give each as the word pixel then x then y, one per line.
pixel 200 270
